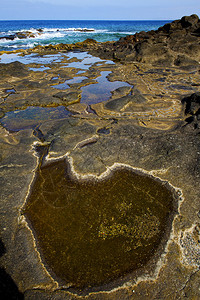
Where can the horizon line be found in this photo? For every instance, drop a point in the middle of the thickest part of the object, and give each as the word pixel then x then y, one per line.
pixel 123 20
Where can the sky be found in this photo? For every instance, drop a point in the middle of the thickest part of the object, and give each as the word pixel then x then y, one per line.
pixel 97 9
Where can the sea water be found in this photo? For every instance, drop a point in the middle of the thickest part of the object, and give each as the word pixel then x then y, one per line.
pixel 54 32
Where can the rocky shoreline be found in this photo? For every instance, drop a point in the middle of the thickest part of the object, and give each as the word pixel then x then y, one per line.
pixel 150 125
pixel 174 44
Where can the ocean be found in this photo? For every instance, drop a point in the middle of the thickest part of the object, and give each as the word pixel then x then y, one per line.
pixel 54 32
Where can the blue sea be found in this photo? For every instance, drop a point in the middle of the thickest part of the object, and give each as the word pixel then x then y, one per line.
pixel 54 32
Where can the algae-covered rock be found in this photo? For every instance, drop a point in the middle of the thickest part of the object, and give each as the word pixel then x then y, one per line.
pixel 68 98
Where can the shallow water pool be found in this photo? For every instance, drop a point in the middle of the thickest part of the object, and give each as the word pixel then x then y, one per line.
pixel 32 116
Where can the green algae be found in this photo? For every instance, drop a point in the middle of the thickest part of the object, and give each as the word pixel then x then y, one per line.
pixel 90 232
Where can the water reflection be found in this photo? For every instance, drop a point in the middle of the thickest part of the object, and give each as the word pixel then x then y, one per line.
pixel 101 91
pixel 85 60
pixel 29 59
pixel 32 116
pixel 41 69
pixel 64 86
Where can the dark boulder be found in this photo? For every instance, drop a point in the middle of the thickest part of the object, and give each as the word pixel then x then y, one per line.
pixel 25 35
pixel 175 25
pixel 8 37
pixel 188 21
pixel 192 104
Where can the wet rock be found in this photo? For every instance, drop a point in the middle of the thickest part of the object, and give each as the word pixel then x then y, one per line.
pixel 8 37
pixel 121 91
pixel 13 69
pixel 68 98
pixel 28 84
pixel 24 35
pixel 118 104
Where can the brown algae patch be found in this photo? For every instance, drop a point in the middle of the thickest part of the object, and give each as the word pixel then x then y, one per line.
pixel 92 231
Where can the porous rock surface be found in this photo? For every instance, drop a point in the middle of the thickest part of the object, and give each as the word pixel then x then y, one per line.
pixel 152 126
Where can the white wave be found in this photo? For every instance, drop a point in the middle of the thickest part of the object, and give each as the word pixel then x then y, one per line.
pixel 42 36
pixel 17 46
pixel 4 41
pixel 10 32
pixel 10 41
pixel 46 35
pixel 121 32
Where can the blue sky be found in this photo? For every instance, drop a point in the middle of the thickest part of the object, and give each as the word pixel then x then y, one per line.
pixel 97 9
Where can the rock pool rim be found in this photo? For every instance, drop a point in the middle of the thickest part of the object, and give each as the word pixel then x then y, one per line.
pixel 150 270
